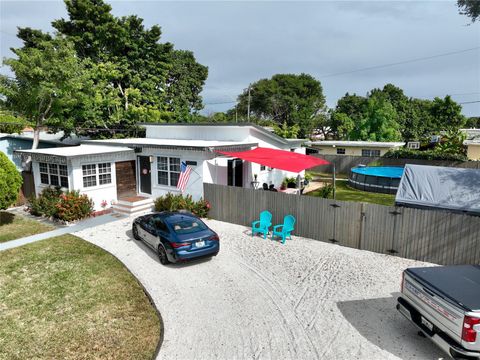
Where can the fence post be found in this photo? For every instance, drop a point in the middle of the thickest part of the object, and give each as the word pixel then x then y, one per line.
pixel 362 218
pixel 394 213
pixel 335 206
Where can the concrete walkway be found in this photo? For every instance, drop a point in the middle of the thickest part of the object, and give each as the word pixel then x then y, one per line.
pixel 82 225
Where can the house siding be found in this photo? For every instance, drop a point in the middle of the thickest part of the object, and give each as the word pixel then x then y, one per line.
pixel 473 151
pixel 349 150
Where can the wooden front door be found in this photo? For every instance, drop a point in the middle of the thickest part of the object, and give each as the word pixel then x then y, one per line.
pixel 126 179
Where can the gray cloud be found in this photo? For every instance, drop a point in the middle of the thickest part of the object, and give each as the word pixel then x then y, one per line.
pixel 242 42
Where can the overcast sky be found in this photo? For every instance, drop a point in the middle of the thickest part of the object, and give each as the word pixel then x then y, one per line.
pixel 242 42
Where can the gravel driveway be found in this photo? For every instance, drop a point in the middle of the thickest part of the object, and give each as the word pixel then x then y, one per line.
pixel 259 299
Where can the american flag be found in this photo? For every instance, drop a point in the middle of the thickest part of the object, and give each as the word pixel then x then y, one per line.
pixel 185 171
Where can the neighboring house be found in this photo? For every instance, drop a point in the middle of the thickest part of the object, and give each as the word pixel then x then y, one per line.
pixel 116 169
pixel 11 142
pixel 473 149
pixel 472 143
pixel 354 148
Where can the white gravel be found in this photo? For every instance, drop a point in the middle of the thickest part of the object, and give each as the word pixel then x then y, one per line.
pixel 259 299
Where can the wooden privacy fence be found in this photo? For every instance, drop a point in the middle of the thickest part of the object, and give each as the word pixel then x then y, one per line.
pixel 439 237
pixel 343 163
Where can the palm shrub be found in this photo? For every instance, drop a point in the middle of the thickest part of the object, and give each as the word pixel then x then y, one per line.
pixel 172 202
pixel 10 182
pixel 325 191
pixel 46 202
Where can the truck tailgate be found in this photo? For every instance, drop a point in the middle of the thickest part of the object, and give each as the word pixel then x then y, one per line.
pixel 435 308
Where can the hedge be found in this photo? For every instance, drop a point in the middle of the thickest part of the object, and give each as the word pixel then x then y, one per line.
pixel 10 182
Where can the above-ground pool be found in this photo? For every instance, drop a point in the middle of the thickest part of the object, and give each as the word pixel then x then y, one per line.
pixel 381 179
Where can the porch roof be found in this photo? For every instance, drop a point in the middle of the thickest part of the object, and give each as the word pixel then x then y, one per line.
pixel 178 144
pixel 75 151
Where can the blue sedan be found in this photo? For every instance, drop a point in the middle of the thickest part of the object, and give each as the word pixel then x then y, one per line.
pixel 176 236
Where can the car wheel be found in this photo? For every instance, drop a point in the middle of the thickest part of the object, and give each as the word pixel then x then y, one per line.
pixel 162 255
pixel 135 232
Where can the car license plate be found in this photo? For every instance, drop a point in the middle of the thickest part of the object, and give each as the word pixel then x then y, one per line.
pixel 427 324
pixel 199 244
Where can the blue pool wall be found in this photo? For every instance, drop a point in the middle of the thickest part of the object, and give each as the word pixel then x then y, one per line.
pixel 379 179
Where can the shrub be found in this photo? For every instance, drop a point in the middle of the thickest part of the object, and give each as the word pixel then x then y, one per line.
pixel 69 206
pixel 45 203
pixel 172 202
pixel 73 206
pixel 326 191
pixel 10 182
pixel 405 153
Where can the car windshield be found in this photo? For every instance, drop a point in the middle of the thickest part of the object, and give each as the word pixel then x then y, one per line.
pixel 187 225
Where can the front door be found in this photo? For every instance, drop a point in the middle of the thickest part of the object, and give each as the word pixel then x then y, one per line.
pixel 145 174
pixel 235 172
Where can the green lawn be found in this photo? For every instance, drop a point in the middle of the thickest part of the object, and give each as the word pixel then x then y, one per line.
pixel 346 193
pixel 316 174
pixel 64 298
pixel 16 226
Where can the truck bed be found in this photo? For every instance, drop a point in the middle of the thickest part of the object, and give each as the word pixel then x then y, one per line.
pixel 458 283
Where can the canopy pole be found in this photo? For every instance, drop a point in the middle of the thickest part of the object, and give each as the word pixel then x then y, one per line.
pixel 333 176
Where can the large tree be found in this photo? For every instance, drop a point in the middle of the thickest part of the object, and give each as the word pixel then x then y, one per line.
pixel 48 83
pixel 447 114
pixel 378 122
pixel 285 98
pixel 415 119
pixel 164 79
pixel 129 75
pixel 471 8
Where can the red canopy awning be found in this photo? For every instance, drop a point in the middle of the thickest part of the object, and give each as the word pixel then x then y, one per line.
pixel 278 159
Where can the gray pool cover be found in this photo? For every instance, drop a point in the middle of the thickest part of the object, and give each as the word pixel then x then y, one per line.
pixel 440 187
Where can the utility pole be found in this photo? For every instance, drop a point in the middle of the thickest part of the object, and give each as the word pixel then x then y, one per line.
pixel 248 107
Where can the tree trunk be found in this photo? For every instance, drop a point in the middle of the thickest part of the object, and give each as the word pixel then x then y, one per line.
pixel 36 137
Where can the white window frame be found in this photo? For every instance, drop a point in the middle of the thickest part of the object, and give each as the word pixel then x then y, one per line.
pixel 96 174
pixel 343 151
pixel 168 171
pixel 370 152
pixel 51 172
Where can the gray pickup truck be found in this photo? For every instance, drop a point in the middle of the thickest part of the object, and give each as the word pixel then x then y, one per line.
pixel 444 303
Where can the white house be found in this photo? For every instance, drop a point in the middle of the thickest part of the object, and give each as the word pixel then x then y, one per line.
pixel 121 171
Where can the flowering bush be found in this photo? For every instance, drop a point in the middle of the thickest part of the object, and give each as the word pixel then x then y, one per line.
pixel 171 202
pixel 69 206
pixel 74 206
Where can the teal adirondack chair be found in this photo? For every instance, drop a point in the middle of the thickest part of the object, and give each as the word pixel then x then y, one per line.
pixel 262 225
pixel 284 230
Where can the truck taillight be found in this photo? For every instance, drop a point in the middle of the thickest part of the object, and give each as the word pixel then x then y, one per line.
pixel 470 327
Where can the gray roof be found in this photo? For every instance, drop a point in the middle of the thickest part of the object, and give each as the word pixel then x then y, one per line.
pixel 377 144
pixel 439 187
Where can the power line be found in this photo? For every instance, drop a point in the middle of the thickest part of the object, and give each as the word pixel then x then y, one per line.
pixel 470 102
pixel 400 62
pixel 220 103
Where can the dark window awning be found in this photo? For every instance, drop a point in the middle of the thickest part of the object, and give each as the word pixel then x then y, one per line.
pixel 278 159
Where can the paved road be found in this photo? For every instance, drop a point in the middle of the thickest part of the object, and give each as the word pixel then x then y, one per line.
pixel 260 299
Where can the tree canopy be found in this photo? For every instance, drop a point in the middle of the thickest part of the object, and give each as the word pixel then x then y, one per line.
pixel 130 75
pixel 387 114
pixel 48 84
pixel 471 8
pixel 285 98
